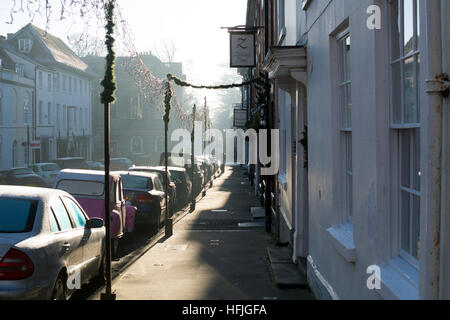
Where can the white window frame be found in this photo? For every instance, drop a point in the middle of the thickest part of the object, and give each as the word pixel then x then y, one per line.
pixel 398 127
pixel 281 26
pixel 345 127
pixel 25 45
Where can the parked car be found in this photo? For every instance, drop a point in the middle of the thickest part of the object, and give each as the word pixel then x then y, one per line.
pixel 145 191
pixel 87 186
pixel 95 165
pixel 71 163
pixel 172 192
pixel 45 239
pixel 119 164
pixel 47 171
pixel 183 184
pixel 140 159
pixel 21 177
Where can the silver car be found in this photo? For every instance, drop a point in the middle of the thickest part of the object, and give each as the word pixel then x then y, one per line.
pixel 48 245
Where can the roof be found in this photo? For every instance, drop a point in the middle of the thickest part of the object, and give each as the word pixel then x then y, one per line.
pixel 80 174
pixel 59 52
pixel 29 192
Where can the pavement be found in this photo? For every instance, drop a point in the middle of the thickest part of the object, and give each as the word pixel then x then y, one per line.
pixel 218 252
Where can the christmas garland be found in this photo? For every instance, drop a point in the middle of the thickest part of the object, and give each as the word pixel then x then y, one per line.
pixel 109 83
pixel 183 83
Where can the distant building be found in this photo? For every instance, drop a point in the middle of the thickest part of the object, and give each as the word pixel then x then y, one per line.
pixel 62 103
pixel 137 127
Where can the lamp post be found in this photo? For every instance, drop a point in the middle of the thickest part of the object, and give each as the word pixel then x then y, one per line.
pixel 194 109
pixel 168 97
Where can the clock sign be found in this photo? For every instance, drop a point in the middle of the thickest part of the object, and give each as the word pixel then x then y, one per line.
pixel 242 49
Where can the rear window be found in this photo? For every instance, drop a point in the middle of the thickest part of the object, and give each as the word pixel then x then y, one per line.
pixel 17 215
pixel 50 167
pixel 81 188
pixel 136 182
pixel 177 175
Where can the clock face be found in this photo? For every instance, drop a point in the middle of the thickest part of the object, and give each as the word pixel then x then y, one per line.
pixel 242 49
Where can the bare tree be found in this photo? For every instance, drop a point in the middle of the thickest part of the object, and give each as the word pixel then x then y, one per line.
pixel 166 50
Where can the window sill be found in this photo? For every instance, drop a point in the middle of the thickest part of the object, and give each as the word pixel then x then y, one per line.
pixel 342 239
pixel 399 280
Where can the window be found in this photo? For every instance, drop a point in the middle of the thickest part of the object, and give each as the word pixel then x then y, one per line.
pixel 49 82
pixel 136 107
pixel 25 45
pixel 61 214
pixel 70 84
pixel 56 82
pixel 64 79
pixel 40 79
pixel 54 227
pixel 58 116
pixel 136 182
pixel 17 215
pixel 41 116
pixel 20 69
pixel 405 124
pixel 76 213
pixel 281 20
pixel 49 113
pixel 79 82
pixel 344 85
pixel 75 85
pixel 26 109
pixel 81 188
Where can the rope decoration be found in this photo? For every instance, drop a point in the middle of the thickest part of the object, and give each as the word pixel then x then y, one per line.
pixel 183 83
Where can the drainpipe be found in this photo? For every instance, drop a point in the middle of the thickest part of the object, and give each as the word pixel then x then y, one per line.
pixel 431 159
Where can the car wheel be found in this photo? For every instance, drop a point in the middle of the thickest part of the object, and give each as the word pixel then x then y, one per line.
pixel 59 290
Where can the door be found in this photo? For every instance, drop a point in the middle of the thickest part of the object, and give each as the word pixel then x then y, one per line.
pixel 68 243
pixel 92 240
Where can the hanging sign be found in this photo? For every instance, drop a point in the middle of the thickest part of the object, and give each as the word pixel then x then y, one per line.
pixel 240 118
pixel 242 49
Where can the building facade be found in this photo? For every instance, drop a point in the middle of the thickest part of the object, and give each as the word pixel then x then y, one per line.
pixel 61 119
pixel 366 204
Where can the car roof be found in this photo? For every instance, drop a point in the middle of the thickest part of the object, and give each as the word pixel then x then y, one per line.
pixel 82 174
pixel 145 168
pixel 31 193
pixel 170 168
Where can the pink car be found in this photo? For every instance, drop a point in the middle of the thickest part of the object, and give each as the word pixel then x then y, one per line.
pixel 87 187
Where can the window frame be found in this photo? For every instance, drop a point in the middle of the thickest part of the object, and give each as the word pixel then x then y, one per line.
pixel 398 128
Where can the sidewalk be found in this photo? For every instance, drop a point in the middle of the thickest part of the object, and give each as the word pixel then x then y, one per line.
pixel 209 256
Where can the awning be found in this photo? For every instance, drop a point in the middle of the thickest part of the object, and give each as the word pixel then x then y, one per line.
pixel 287 63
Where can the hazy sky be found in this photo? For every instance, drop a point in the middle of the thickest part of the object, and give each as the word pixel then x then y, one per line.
pixel 194 26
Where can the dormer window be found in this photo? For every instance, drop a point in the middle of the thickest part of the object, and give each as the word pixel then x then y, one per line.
pixel 25 45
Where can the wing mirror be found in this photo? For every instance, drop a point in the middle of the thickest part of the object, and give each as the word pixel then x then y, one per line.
pixel 94 223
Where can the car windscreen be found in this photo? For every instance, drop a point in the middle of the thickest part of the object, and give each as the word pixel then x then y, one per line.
pixel 17 215
pixel 177 175
pixel 136 182
pixel 50 167
pixel 81 187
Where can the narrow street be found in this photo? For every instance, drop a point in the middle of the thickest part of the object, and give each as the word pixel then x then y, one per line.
pixel 209 256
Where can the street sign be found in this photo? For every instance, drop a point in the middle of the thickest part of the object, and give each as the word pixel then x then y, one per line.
pixel 35 144
pixel 239 118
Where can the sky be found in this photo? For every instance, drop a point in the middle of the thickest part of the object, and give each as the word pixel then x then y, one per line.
pixel 194 26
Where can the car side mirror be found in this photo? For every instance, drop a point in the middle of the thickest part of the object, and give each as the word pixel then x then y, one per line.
pixel 94 223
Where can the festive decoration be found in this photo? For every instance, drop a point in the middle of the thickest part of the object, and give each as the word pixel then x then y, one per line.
pixel 108 83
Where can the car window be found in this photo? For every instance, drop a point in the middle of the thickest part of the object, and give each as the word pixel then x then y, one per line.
pixel 61 214
pixel 81 188
pixel 53 223
pixel 21 171
pixel 136 182
pixel 75 212
pixel 50 167
pixel 158 184
pixel 17 215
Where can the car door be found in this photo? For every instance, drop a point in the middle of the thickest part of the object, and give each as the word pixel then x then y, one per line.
pixel 68 241
pixel 92 240
pixel 162 200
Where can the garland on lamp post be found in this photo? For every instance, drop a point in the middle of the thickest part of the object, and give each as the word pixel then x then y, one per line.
pixel 107 97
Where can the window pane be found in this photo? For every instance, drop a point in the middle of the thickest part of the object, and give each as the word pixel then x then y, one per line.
pixel 416 160
pixel 347 71
pixel 415 227
pixel 408 24
pixel 61 214
pixel 395 31
pixel 17 215
pixel 53 224
pixel 396 94
pixel 410 92
pixel 405 220
pixel 78 187
pixel 349 105
pixel 405 158
pixel 418 88
pixel 76 213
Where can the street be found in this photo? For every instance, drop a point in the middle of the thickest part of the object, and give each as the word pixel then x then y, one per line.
pixel 209 256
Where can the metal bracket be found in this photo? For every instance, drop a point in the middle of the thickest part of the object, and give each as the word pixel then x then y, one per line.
pixel 440 85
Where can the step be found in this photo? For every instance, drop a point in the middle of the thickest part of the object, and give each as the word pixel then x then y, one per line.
pixel 285 272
